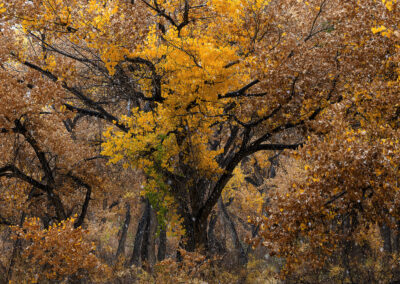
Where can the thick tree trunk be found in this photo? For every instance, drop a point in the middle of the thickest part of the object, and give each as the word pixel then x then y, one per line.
pixel 197 201
pixel 148 243
pixel 135 258
pixel 124 231
pixel 196 233
pixel 151 249
pixel 162 246
pixel 145 239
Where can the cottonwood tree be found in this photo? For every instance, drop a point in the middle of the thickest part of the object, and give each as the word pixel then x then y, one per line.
pixel 48 169
pixel 346 186
pixel 206 85
pixel 192 87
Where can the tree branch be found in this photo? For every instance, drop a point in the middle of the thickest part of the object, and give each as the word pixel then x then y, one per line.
pixel 240 92
pixel 156 79
pixel 13 171
pixel 84 99
pixel 85 204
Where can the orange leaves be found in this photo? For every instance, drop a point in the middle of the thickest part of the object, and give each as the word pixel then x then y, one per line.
pixel 92 26
pixel 63 250
pixel 191 269
pixel 316 66
pixel 348 171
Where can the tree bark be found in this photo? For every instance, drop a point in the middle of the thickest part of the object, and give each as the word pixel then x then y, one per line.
pixel 196 232
pixel 3 274
pixel 151 243
pixel 16 248
pixel 162 247
pixel 386 236
pixel 397 238
pixel 124 231
pixel 135 258
pixel 212 241
pixel 148 254
pixel 146 233
pixel 241 254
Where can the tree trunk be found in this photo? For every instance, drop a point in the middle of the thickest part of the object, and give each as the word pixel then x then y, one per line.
pixel 15 251
pixel 241 254
pixel 124 231
pixel 386 237
pixel 162 247
pixel 212 240
pixel 135 258
pixel 145 238
pixel 3 274
pixel 397 238
pixel 148 242
pixel 196 233
pixel 151 246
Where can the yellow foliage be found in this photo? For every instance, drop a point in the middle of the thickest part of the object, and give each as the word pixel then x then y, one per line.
pixel 57 252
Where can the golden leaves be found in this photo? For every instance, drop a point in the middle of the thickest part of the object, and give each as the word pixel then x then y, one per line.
pixel 382 30
pixel 2 8
pixel 389 4
pixel 63 249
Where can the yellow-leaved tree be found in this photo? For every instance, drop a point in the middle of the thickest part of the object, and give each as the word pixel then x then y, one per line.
pixel 189 89
pixel 207 83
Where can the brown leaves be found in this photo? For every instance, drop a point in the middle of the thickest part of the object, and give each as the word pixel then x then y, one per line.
pixel 57 252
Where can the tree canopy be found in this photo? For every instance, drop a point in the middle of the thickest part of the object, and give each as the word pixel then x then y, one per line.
pixel 187 107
